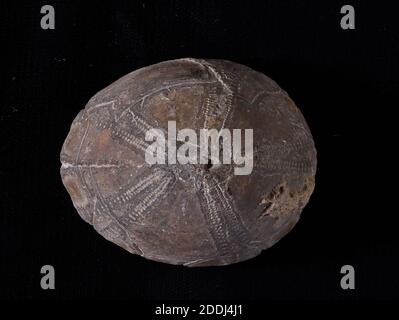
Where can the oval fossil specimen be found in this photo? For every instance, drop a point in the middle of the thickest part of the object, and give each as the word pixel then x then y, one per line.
pixel 191 214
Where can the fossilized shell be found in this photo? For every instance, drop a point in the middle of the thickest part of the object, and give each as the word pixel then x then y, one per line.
pixel 196 215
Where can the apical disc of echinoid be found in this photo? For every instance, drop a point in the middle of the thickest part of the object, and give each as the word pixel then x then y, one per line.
pixel 191 214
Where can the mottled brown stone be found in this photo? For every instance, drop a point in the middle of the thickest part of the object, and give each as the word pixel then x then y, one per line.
pixel 196 215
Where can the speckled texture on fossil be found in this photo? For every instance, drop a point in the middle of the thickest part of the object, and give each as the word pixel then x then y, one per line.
pixel 193 215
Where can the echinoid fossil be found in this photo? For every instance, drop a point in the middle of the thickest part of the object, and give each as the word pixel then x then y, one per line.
pixel 190 214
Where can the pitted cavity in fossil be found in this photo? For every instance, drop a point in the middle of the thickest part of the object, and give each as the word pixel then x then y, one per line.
pixel 191 214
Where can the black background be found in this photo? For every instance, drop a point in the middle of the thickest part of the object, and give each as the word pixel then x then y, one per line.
pixel 344 81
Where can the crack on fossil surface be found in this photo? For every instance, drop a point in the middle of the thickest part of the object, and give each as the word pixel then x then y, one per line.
pixel 66 165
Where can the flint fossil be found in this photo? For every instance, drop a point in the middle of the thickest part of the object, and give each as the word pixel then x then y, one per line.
pixel 196 215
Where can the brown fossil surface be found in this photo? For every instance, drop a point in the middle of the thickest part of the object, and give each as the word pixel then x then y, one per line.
pixel 195 215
